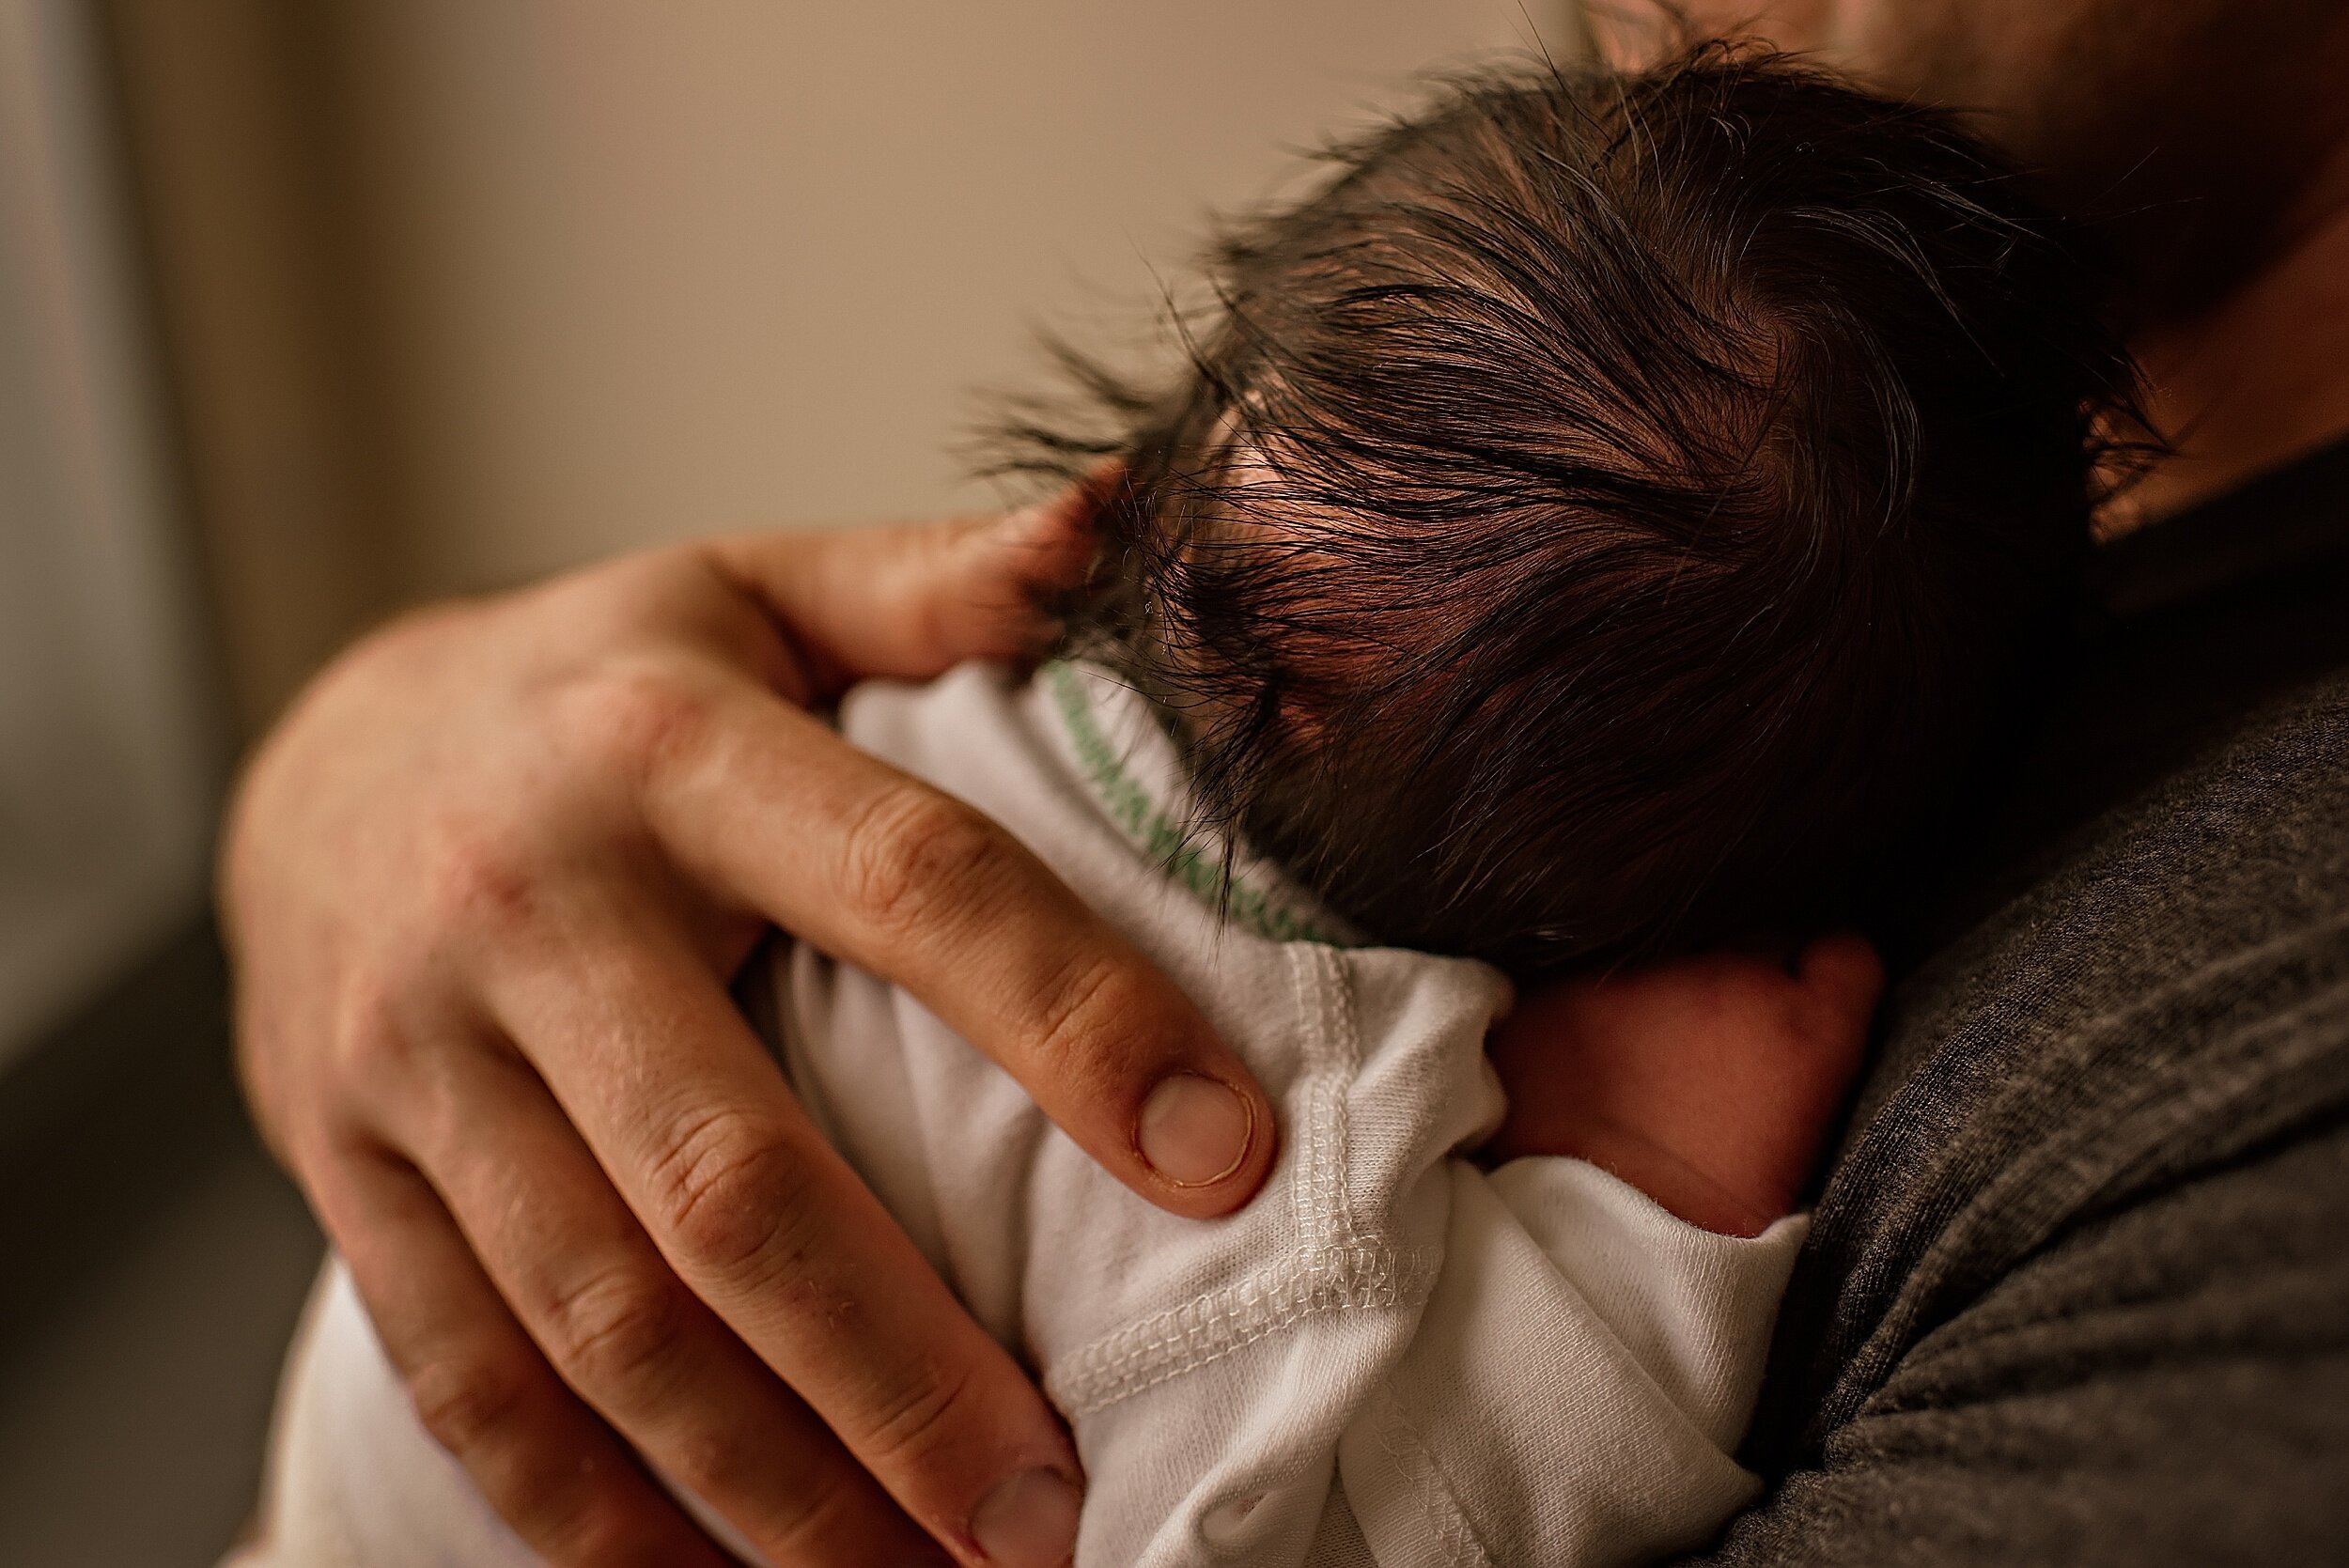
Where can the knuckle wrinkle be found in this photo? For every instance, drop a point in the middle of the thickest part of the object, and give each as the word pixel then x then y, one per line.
pixel 616 1330
pixel 637 719
pixel 925 1414
pixel 912 857
pixel 1082 1010
pixel 733 1196
pixel 467 1405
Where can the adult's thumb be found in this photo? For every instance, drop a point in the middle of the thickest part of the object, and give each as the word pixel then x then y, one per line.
pixel 910 602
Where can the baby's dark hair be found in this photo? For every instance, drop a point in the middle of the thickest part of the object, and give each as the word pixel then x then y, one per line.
pixel 1608 513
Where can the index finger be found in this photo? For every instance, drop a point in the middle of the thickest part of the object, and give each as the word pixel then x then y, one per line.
pixel 913 886
pixel 770 1228
pixel 910 602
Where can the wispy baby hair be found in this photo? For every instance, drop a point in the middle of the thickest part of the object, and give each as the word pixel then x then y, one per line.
pixel 1603 517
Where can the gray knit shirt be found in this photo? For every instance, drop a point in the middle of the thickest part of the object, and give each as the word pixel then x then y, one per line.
pixel 2078 1285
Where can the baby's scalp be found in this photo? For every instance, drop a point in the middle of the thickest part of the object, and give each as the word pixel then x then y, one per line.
pixel 1605 517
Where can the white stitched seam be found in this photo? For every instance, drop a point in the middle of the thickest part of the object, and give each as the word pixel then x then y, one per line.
pixel 1181 1338
pixel 1326 1217
pixel 1455 1535
pixel 1333 1266
pixel 1312 1134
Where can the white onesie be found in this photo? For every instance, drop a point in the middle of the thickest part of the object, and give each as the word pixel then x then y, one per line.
pixel 1391 1356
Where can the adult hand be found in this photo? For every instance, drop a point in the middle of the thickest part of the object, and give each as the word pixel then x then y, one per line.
pixel 484 887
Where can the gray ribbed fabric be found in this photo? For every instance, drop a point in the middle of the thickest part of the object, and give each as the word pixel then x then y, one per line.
pixel 2077 1288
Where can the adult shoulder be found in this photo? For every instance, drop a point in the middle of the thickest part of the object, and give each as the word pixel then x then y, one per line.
pixel 2078 1289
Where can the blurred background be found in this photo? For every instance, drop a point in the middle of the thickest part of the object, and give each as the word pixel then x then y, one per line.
pixel 310 309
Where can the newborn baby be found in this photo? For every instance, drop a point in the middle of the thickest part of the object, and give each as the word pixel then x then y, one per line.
pixel 1601 524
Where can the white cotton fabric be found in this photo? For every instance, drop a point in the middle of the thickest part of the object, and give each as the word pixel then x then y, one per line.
pixel 1393 1357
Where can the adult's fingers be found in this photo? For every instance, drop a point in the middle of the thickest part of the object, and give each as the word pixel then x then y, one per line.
pixel 910 602
pixel 625 1333
pixel 912 885
pixel 770 1228
pixel 551 1468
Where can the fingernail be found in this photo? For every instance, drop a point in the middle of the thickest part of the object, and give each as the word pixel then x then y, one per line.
pixel 1028 1521
pixel 1194 1130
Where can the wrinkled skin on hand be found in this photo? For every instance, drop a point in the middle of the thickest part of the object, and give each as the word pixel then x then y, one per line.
pixel 484 887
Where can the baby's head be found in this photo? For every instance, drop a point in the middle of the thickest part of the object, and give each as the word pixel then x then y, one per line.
pixel 1607 516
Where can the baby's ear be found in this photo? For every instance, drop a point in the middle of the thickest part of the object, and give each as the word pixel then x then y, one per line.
pixel 1842 980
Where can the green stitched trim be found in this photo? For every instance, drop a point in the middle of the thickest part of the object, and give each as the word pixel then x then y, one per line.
pixel 1131 807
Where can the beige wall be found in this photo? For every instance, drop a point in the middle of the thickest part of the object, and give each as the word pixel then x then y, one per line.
pixel 228 132
pixel 609 272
